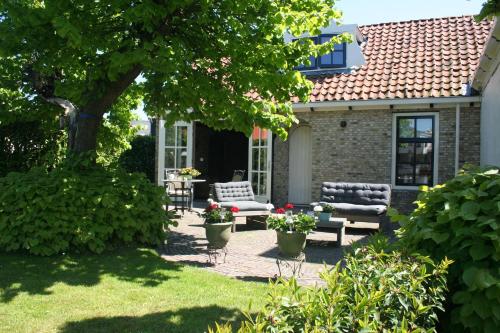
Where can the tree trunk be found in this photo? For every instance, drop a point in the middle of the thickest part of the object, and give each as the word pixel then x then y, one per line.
pixel 83 134
pixel 83 129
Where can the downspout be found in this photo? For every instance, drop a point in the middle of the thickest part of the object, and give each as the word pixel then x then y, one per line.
pixel 457 138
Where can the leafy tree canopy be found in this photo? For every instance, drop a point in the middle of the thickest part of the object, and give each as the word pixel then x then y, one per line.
pixel 198 59
pixel 491 8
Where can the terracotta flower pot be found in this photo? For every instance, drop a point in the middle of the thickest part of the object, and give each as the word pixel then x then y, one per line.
pixel 291 244
pixel 218 234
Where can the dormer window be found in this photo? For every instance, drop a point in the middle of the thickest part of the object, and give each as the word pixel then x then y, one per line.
pixel 334 59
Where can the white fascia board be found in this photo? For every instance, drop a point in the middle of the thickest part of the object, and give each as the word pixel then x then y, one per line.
pixel 379 102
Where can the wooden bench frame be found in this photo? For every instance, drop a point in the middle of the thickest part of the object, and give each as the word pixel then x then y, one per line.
pixel 251 213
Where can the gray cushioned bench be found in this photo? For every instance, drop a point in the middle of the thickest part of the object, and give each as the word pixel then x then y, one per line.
pixel 239 194
pixel 362 202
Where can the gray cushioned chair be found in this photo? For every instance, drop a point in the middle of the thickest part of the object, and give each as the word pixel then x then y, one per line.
pixel 239 194
pixel 363 202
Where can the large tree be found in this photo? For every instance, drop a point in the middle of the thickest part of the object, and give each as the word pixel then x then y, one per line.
pixel 222 62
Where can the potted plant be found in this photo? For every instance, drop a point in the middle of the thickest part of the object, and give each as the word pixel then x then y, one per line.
pixel 189 173
pixel 325 213
pixel 218 222
pixel 291 230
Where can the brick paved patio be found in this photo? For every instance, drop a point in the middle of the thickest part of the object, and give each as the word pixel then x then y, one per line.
pixel 252 253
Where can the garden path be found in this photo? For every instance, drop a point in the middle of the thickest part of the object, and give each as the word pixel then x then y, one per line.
pixel 252 253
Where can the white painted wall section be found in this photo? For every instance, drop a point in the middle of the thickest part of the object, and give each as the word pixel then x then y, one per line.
pixel 490 121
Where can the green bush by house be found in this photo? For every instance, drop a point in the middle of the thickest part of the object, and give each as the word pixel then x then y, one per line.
pixel 45 213
pixel 376 291
pixel 461 220
pixel 141 157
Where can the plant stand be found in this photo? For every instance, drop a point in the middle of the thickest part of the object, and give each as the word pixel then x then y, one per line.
pixel 216 253
pixel 291 264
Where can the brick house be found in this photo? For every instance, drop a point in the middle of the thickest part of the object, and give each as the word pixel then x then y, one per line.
pixel 394 106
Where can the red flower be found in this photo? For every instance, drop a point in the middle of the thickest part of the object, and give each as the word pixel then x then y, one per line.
pixel 280 211
pixel 235 209
pixel 288 206
pixel 211 207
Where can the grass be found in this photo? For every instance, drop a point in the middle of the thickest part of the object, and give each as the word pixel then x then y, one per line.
pixel 130 290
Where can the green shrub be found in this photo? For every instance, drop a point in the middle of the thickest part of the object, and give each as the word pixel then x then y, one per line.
pixel 141 157
pixel 375 292
pixel 461 220
pixel 25 144
pixel 52 212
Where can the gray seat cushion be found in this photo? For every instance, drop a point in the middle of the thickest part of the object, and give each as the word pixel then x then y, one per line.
pixel 356 193
pixel 233 191
pixel 352 209
pixel 244 205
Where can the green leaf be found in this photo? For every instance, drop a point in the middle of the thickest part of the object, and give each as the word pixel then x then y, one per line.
pixel 479 251
pixel 469 210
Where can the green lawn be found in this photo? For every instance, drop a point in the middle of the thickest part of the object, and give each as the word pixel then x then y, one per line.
pixel 130 290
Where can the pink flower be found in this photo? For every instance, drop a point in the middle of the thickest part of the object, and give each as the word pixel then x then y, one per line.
pixel 288 206
pixel 280 211
pixel 235 209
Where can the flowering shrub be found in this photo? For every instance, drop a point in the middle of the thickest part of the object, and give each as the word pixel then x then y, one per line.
pixel 214 213
pixel 189 172
pixel 288 206
pixel 300 223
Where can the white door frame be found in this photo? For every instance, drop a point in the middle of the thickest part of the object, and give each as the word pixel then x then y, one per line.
pixel 261 197
pixel 161 147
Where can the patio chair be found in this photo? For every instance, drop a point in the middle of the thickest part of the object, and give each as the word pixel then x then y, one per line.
pixel 240 194
pixel 177 191
pixel 238 175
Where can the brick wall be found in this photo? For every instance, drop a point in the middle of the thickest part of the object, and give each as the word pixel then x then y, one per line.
pixel 362 150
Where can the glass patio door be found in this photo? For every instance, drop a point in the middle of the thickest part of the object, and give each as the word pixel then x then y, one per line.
pixel 259 163
pixel 176 147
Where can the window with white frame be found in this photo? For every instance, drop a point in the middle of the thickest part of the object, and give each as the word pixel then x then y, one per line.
pixel 176 147
pixel 415 149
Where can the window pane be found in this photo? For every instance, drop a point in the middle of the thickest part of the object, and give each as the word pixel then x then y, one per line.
pixel 326 59
pixel 406 153
pixel 404 174
pixel 423 174
pixel 424 128
pixel 169 158
pixel 181 158
pixel 170 136
pixel 255 158
pixel 263 159
pixel 262 183
pixel 406 127
pixel 255 136
pixel 339 47
pixel 324 39
pixel 263 137
pixel 424 153
pixel 255 182
pixel 338 58
pixel 182 136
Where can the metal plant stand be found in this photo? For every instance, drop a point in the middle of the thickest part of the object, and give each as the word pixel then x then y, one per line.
pixel 291 264
pixel 214 254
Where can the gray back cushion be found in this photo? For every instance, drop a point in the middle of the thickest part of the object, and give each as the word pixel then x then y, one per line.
pixel 356 193
pixel 234 191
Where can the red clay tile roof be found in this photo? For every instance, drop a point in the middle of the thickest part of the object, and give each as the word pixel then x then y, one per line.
pixel 412 59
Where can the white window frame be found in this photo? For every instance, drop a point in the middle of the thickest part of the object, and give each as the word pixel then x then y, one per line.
pixel 161 147
pixel 435 148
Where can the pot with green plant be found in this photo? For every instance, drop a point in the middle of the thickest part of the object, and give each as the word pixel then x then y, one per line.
pixel 189 173
pixel 291 231
pixel 325 212
pixel 218 223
